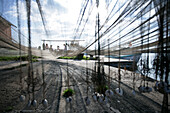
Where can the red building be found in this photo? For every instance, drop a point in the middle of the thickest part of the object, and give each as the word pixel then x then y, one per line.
pixel 5 28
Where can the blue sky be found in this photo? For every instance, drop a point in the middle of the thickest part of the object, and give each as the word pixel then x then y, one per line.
pixel 59 15
pixel 61 20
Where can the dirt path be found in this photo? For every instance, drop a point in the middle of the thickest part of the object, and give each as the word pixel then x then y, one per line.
pixel 128 103
pixel 55 78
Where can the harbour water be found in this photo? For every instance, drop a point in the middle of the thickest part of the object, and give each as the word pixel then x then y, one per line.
pixel 151 67
pixel 140 61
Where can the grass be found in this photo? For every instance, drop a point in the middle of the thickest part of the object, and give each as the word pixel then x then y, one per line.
pixel 68 92
pixel 17 58
pixel 75 58
pixel 65 57
pixel 8 109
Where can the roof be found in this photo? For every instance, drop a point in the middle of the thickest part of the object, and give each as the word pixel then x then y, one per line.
pixel 4 21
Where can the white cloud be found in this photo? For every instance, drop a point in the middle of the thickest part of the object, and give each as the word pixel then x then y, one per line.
pixel 61 19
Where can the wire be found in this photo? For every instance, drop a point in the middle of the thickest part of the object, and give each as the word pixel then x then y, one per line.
pixel 86 21
pixel 81 17
pixel 42 16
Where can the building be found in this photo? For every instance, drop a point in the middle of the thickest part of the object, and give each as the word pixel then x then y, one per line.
pixel 6 40
pixel 5 28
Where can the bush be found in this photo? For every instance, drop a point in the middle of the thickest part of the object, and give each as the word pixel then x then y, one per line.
pixel 102 88
pixel 68 92
pixel 8 109
pixel 75 58
pixel 65 57
pixel 17 58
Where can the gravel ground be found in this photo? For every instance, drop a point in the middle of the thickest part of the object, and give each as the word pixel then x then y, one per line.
pixel 55 78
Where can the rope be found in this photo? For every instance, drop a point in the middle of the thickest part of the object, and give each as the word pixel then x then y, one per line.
pixel 82 17
pixel 30 64
pixel 43 75
pixel 87 77
pixel 148 44
pixel 19 38
pixel 79 16
pixel 109 62
pixel 119 65
pixel 141 63
pixel 42 16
